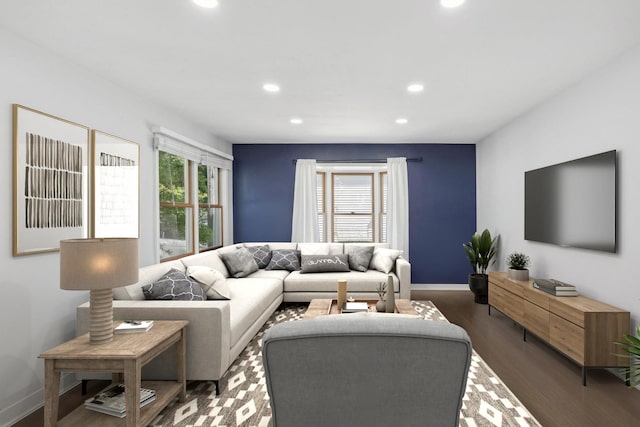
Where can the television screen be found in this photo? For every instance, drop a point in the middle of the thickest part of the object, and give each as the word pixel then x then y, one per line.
pixel 573 203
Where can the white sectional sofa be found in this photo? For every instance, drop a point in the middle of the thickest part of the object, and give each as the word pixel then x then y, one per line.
pixel 220 329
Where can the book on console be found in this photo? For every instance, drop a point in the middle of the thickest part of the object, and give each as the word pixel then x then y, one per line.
pixel 552 285
pixel 355 307
pixel 560 293
pixel 131 326
pixel 112 400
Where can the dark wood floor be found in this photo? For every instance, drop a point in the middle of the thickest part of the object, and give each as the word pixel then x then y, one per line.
pixel 547 383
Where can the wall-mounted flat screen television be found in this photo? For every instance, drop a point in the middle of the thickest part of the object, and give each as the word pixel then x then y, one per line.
pixel 573 203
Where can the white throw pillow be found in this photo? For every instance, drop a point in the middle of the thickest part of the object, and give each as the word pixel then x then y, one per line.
pixel 313 248
pixel 213 283
pixel 383 259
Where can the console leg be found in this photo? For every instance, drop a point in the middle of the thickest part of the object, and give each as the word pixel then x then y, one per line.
pixel 84 387
pixel 627 378
pixel 584 376
pixel 524 334
pixel 489 308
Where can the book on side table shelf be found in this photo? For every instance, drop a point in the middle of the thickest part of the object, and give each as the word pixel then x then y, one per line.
pixel 355 307
pixel 132 326
pixel 112 400
pixel 555 287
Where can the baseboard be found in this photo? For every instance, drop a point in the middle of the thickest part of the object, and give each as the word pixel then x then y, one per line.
pixel 33 402
pixel 439 287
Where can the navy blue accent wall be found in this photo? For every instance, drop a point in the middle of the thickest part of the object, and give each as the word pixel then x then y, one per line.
pixel 442 198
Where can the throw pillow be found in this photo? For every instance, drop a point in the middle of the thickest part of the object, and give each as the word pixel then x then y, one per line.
pixel 360 257
pixel 324 263
pixel 240 262
pixel 284 259
pixel 314 248
pixel 383 259
pixel 262 255
pixel 213 283
pixel 174 285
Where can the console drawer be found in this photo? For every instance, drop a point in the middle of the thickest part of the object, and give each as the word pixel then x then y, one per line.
pixel 567 337
pixel 506 302
pixel 536 319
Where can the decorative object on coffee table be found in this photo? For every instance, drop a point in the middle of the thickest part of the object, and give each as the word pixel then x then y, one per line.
pixel 481 251
pixel 382 290
pixel 99 265
pixel 518 263
pixel 390 306
pixel 342 293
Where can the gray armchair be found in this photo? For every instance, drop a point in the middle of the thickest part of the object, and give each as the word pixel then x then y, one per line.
pixel 366 370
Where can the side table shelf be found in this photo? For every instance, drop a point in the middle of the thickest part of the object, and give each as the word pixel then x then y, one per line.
pixel 126 355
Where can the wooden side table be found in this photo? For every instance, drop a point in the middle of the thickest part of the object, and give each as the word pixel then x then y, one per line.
pixel 125 355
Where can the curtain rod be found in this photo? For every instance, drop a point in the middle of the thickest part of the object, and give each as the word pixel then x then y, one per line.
pixel 409 159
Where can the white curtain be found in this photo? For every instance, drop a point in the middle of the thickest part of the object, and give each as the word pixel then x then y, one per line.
pixel 304 225
pixel 398 205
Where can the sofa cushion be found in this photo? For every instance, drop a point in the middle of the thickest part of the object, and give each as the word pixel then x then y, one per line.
pixel 209 259
pixel 324 263
pixel 359 257
pixel 250 298
pixel 213 283
pixel 320 248
pixel 328 282
pixel 174 285
pixel 269 274
pixel 284 259
pixel 240 262
pixel 147 275
pixel 261 253
pixel 384 259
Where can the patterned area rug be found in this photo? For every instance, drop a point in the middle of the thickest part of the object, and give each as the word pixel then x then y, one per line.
pixel 244 400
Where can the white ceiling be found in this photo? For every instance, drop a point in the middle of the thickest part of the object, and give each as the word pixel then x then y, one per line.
pixel 343 65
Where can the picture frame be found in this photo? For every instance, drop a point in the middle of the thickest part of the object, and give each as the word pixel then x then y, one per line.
pixel 116 186
pixel 50 181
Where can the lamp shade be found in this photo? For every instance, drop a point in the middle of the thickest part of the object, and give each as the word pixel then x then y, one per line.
pixel 93 264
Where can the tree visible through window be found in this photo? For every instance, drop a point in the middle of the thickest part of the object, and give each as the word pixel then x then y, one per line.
pixel 209 209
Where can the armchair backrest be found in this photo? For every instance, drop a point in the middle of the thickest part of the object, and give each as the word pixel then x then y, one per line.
pixel 366 370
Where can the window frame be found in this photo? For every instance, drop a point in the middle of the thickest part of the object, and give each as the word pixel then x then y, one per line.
pixel 211 206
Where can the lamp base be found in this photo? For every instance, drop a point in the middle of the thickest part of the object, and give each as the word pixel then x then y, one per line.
pixel 101 307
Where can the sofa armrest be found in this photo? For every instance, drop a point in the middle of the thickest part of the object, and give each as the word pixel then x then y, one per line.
pixel 403 271
pixel 208 333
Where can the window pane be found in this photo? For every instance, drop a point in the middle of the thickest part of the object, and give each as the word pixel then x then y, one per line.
pixel 321 227
pixel 172 176
pixel 175 231
pixel 207 185
pixel 353 193
pixel 352 228
pixel 210 227
pixel 383 221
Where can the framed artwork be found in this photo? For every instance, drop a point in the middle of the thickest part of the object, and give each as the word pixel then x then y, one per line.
pixel 116 181
pixel 50 181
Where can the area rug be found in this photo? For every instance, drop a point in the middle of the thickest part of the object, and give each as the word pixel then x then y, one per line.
pixel 244 401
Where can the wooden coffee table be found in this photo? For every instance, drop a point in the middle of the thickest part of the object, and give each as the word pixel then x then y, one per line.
pixel 323 307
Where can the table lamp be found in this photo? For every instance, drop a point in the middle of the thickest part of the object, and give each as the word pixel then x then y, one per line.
pixel 98 265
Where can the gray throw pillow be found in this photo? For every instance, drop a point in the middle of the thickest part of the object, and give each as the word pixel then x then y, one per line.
pixel 174 285
pixel 240 262
pixel 324 263
pixel 262 255
pixel 284 259
pixel 360 257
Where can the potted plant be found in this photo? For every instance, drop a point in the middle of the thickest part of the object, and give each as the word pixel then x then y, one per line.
pixel 518 263
pixel 481 251
pixel 631 346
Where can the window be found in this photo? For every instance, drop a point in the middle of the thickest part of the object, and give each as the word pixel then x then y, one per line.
pixel 176 207
pixel 355 195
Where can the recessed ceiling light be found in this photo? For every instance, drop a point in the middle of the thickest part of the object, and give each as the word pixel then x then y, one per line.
pixel 271 87
pixel 451 3
pixel 402 121
pixel 415 87
pixel 209 4
pixel 296 121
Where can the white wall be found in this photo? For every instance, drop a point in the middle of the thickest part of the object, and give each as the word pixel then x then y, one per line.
pixel 600 113
pixel 35 314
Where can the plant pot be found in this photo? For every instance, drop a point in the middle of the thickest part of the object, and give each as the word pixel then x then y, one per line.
pixel 479 285
pixel 518 274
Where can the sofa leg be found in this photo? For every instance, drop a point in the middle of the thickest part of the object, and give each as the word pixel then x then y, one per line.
pixel 217 384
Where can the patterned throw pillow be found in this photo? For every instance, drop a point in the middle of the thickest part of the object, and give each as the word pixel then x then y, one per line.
pixel 240 262
pixel 213 283
pixel 284 259
pixel 324 263
pixel 174 285
pixel 262 255
pixel 360 257
pixel 384 259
